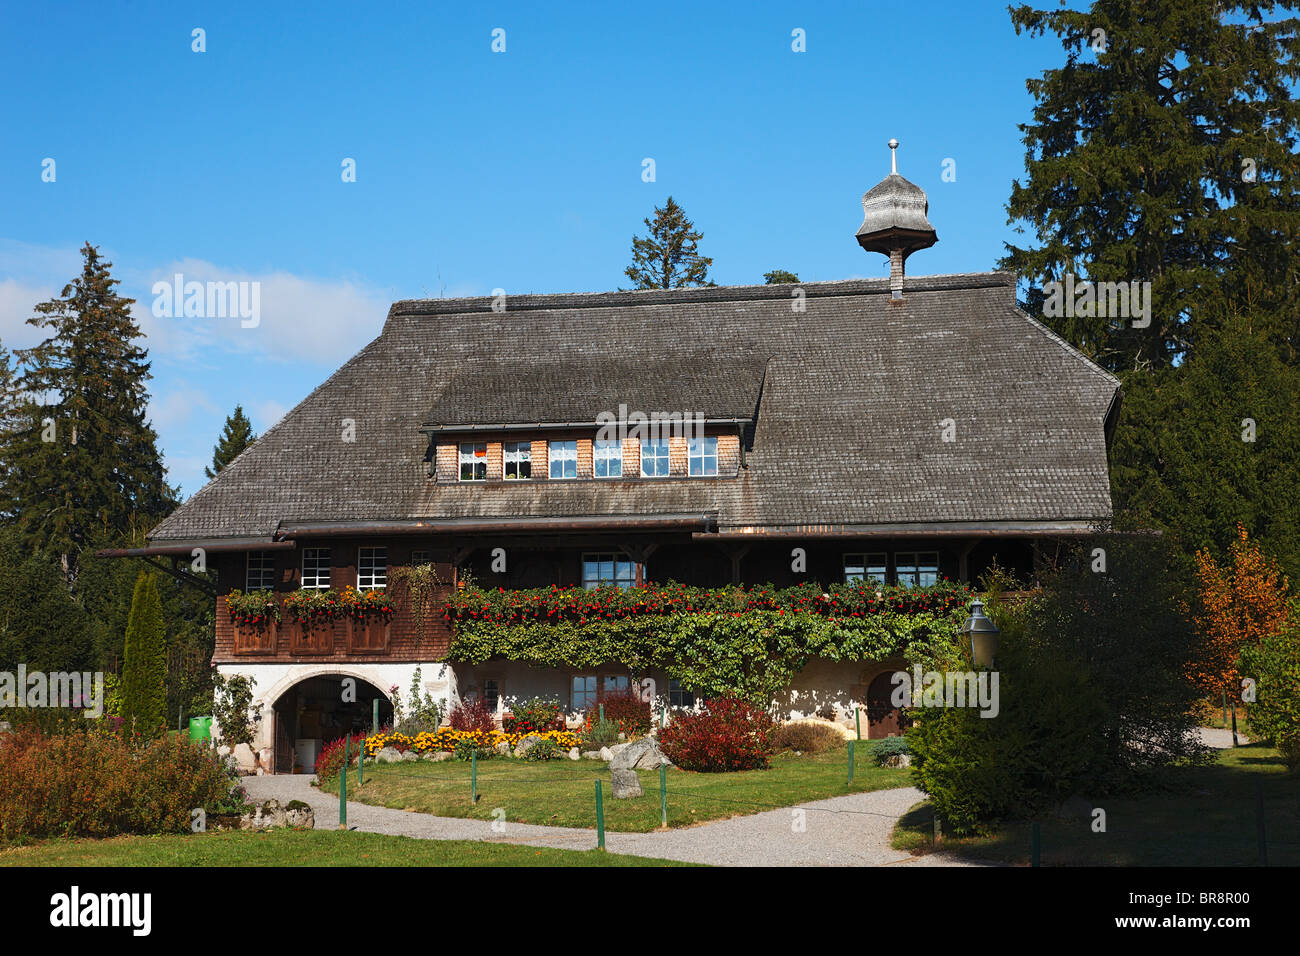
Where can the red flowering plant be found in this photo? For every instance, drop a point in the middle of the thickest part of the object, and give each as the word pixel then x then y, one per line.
pixel 255 607
pixel 470 714
pixel 726 734
pixel 579 605
pixel 533 717
pixel 330 759
pixel 312 605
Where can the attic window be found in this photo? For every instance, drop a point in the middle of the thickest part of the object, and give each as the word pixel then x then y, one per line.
pixel 608 458
pixel 654 458
pixel 702 456
pixel 473 461
pixel 518 460
pixel 564 459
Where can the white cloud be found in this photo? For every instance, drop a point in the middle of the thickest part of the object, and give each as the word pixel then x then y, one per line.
pixel 265 414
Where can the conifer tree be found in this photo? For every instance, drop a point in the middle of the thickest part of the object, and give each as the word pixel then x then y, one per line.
pixel 669 257
pixel 235 437
pixel 83 464
pixel 1164 150
pixel 779 276
pixel 144 667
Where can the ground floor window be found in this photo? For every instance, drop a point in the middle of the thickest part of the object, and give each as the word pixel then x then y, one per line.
pixel 608 570
pixel 678 696
pixel 588 690
pixel 584 691
pixel 859 568
pixel 916 568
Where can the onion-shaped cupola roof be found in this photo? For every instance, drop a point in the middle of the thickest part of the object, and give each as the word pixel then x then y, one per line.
pixel 894 214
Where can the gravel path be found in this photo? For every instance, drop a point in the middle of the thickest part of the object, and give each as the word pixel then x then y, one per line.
pixel 1220 739
pixel 843 831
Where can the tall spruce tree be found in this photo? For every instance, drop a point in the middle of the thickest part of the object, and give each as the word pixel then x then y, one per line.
pixel 1164 150
pixel 235 437
pixel 83 463
pixel 669 257
pixel 144 668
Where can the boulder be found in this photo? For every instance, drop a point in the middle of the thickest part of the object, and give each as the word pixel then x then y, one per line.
pixel 264 816
pixel 591 755
pixel 626 784
pixel 574 754
pixel 503 748
pixel 627 756
pixel 606 753
pixel 436 756
pixel 526 744
pixel 388 755
pixel 410 755
pixel 898 761
pixel 619 748
pixel 300 815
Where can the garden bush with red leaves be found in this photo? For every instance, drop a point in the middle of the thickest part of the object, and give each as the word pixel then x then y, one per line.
pixel 330 759
pixel 627 710
pixel 726 734
pixel 534 716
pixel 471 715
pixel 97 784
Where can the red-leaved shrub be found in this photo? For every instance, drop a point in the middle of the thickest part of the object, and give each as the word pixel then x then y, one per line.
pixel 726 734
pixel 627 710
pixel 97 784
pixel 330 759
pixel 471 714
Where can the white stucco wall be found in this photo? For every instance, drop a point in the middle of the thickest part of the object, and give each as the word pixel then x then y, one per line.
pixel 273 679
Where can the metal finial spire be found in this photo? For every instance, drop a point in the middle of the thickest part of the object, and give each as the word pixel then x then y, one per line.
pixel 893 156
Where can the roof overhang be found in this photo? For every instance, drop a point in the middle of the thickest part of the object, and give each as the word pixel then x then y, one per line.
pixel 432 428
pixel 694 522
pixel 936 529
pixel 185 548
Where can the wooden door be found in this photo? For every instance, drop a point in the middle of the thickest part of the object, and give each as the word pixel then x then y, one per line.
pixel 883 718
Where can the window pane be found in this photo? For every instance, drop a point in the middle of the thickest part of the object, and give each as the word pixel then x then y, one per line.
pixel 905 569
pixel 927 568
pixel 608 570
pixel 608 458
pixel 654 458
pixel 517 456
pixel 372 568
pixel 615 683
pixel 316 568
pixel 473 461
pixel 260 573
pixel 702 456
pixel 564 459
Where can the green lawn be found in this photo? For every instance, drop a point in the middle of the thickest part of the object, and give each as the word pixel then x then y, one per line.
pixel 303 848
pixel 562 792
pixel 1204 817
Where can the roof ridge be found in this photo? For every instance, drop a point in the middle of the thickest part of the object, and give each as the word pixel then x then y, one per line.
pixel 702 294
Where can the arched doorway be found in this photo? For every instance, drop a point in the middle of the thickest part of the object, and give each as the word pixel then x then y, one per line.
pixel 883 718
pixel 319 709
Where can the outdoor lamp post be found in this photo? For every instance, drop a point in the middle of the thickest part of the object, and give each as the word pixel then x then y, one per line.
pixel 983 635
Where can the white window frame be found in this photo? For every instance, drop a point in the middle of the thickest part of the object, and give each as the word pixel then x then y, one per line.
pixel 261 564
pixel 471 458
pixel 865 563
pixel 607 452
pixel 318 560
pixel 665 458
pixel 372 568
pixel 704 451
pixel 561 453
pixel 588 681
pixel 516 453
pixel 911 567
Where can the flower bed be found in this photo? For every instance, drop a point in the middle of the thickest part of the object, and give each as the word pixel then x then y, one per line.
pixel 446 740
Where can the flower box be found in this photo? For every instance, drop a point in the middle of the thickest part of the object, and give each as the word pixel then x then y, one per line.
pixel 368 634
pixel 311 637
pixel 256 638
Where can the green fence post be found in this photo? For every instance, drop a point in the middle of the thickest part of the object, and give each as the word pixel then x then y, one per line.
pixel 343 788
pixel 602 713
pixel 361 765
pixel 850 783
pixel 1036 849
pixel 1259 822
pixel 1234 724
pixel 857 720
pixel 600 818
pixel 374 716
pixel 663 794
pixel 180 721
pixel 473 775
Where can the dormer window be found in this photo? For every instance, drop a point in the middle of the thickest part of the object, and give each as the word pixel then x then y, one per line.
pixel 564 459
pixel 654 458
pixel 702 456
pixel 473 461
pixel 518 457
pixel 607 457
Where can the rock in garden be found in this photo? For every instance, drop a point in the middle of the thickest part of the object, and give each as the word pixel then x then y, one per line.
pixel 410 755
pixel 503 748
pixel 526 744
pixel 300 815
pixel 437 756
pixel 591 755
pixel 626 756
pixel 898 760
pixel 606 753
pixel 574 754
pixel 619 748
pixel 388 755
pixel 626 784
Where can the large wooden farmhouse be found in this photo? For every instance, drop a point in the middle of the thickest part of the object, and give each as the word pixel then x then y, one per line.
pixel 903 429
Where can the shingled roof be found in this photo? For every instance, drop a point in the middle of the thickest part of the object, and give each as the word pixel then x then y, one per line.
pixel 848 395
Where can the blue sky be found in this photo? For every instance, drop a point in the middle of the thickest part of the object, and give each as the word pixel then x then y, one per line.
pixel 474 170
